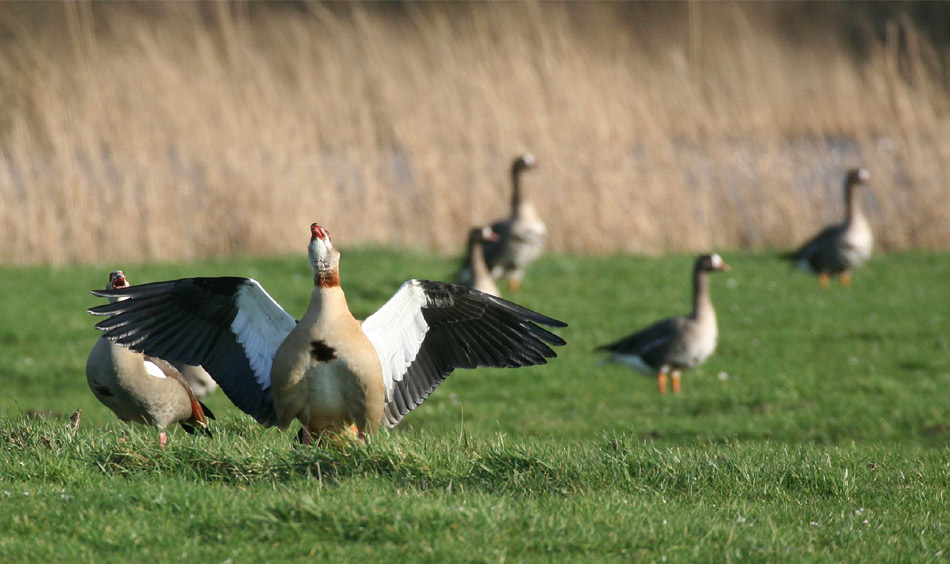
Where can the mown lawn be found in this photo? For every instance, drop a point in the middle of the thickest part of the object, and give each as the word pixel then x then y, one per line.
pixel 819 431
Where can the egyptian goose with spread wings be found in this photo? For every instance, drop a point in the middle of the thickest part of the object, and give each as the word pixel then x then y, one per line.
pixel 840 248
pixel 521 236
pixel 330 371
pixel 142 388
pixel 676 343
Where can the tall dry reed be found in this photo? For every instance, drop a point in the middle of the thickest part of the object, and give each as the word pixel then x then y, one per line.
pixel 133 132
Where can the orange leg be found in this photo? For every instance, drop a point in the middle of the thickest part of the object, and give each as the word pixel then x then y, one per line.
pixel 845 279
pixel 338 437
pixel 823 280
pixel 514 284
pixel 354 432
pixel 675 381
pixel 661 382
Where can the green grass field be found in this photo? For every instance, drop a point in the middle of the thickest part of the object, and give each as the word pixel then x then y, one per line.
pixel 818 432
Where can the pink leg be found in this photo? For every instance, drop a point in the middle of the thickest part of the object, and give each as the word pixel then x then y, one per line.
pixel 306 437
pixel 162 439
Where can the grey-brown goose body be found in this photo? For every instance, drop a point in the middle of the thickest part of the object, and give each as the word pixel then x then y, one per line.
pixel 840 248
pixel 675 343
pixel 521 236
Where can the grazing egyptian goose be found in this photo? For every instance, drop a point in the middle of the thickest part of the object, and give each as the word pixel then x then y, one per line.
pixel 675 343
pixel 838 249
pixel 330 371
pixel 474 272
pixel 140 388
pixel 520 237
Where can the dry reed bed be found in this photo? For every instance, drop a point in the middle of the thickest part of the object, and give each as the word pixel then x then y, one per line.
pixel 179 131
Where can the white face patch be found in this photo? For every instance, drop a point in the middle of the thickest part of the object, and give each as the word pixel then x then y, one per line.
pixel 153 369
pixel 321 254
pixel 716 260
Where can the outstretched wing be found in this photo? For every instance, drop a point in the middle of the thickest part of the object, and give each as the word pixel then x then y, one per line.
pixel 229 325
pixel 428 329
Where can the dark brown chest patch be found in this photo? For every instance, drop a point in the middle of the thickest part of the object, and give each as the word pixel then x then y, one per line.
pixel 104 391
pixel 322 352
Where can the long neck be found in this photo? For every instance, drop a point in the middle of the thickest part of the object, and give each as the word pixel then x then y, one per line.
pixel 702 302
pixel 476 260
pixel 327 297
pixel 327 279
pixel 853 210
pixel 515 189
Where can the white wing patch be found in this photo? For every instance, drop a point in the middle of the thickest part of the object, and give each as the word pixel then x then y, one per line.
pixel 396 331
pixel 260 326
pixel 153 369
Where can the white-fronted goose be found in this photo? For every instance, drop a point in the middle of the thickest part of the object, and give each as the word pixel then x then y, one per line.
pixel 329 371
pixel 675 343
pixel 520 237
pixel 474 272
pixel 838 249
pixel 142 388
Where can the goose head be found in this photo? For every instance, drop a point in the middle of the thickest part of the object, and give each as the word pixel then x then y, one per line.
pixel 483 234
pixel 710 263
pixel 117 280
pixel 324 259
pixel 857 176
pixel 522 163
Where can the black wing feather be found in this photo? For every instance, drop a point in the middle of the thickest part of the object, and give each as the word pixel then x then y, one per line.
pixel 469 329
pixel 189 320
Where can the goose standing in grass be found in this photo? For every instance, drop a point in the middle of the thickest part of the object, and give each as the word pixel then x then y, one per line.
pixel 521 236
pixel 474 272
pixel 141 388
pixel 675 343
pixel 838 249
pixel 330 371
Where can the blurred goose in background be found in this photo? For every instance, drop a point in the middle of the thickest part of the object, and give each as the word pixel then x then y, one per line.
pixel 840 248
pixel 474 272
pixel 198 379
pixel 520 237
pixel 675 343
pixel 330 371
pixel 142 388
